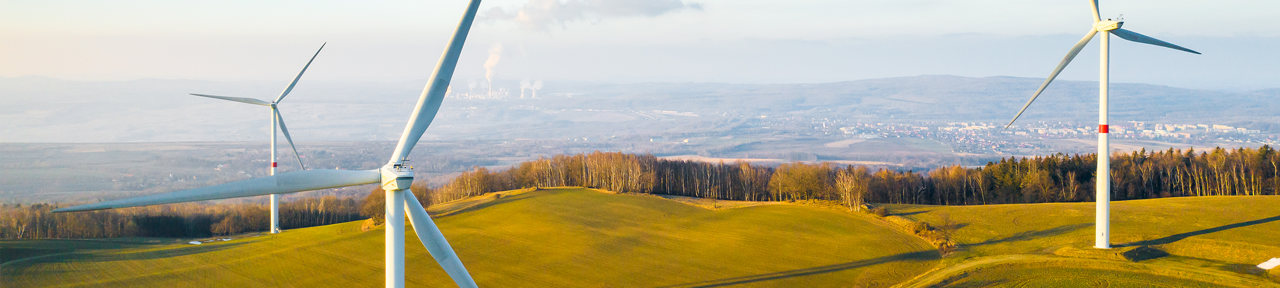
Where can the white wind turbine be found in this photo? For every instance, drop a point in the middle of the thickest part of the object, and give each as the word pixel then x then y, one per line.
pixel 395 177
pixel 1102 219
pixel 276 122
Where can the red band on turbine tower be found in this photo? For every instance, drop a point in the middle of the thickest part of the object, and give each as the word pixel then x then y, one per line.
pixel 273 164
pixel 1102 128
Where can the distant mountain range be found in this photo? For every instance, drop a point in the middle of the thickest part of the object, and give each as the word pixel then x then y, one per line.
pixel 38 109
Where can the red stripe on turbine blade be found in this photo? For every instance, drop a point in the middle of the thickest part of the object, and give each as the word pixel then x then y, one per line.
pixel 273 164
pixel 1102 128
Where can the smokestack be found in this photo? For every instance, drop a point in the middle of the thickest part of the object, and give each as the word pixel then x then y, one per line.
pixel 524 84
pixel 495 54
pixel 471 89
pixel 536 85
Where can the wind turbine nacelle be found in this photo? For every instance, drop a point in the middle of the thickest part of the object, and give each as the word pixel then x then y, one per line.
pixel 1107 25
pixel 396 177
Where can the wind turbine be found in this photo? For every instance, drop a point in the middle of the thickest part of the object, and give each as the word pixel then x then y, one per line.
pixel 395 178
pixel 276 122
pixel 1106 27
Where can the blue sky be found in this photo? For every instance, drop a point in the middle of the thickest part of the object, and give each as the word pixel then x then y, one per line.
pixel 634 41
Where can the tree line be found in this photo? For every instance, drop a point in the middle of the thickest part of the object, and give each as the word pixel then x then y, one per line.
pixel 174 220
pixel 1053 178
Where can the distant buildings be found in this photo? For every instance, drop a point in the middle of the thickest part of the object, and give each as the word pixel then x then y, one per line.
pixel 974 137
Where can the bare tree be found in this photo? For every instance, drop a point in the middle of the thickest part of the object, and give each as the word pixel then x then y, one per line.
pixel 852 184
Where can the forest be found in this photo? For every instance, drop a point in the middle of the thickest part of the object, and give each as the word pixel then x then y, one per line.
pixel 183 220
pixel 1053 178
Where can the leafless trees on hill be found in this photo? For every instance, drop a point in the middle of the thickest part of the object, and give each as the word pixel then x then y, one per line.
pixel 176 220
pixel 1053 178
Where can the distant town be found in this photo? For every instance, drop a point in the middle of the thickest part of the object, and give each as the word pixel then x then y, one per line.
pixel 992 138
pixel 987 138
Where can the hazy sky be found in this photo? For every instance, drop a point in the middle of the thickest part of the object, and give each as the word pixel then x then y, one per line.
pixel 740 41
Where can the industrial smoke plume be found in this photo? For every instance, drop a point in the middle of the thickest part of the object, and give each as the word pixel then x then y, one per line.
pixel 524 84
pixel 495 55
pixel 536 85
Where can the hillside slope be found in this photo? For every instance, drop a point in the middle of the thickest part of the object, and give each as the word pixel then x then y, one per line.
pixel 547 238
pixel 579 237
pixel 1209 241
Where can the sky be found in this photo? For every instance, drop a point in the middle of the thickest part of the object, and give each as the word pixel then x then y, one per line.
pixel 626 41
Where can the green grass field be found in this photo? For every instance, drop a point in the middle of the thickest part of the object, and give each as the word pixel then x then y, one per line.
pixel 1211 241
pixel 547 238
pixel 581 237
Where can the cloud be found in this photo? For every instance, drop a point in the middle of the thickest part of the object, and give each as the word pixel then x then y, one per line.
pixel 543 14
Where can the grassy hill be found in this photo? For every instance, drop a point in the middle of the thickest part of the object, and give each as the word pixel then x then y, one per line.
pixel 547 238
pixel 582 237
pixel 1208 241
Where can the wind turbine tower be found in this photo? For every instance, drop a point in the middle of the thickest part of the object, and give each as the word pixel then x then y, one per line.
pixel 276 122
pixel 1107 27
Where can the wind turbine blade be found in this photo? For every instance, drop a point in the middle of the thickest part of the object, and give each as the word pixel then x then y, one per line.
pixel 295 79
pixel 431 237
pixel 1096 16
pixel 290 182
pixel 280 120
pixel 433 94
pixel 1065 60
pixel 237 99
pixel 1135 37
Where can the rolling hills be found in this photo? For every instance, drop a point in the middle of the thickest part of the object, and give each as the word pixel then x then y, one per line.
pixel 547 238
pixel 1208 241
pixel 582 237
pixel 153 110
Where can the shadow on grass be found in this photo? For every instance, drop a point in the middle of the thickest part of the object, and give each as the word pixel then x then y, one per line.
pixel 146 255
pixel 911 213
pixel 922 255
pixel 1144 253
pixel 504 198
pixel 1029 235
pixel 20 250
pixel 56 264
pixel 1243 269
pixel 953 226
pixel 1177 237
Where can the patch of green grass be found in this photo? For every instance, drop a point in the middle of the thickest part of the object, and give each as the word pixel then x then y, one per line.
pixel 1239 229
pixel 1029 275
pixel 579 237
pixel 1053 271
pixel 547 238
pixel 1218 235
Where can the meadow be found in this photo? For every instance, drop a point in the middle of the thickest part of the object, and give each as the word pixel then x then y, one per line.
pixel 1197 241
pixel 585 237
pixel 545 238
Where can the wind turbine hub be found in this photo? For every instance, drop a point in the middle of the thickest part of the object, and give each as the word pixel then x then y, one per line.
pixel 396 177
pixel 1107 25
